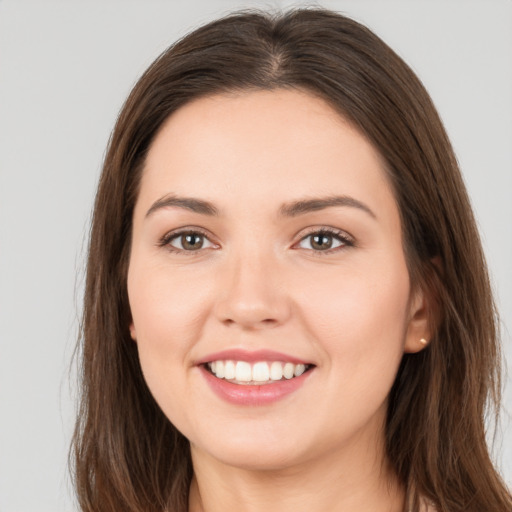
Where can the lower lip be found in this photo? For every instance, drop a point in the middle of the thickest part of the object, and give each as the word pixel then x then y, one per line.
pixel 246 394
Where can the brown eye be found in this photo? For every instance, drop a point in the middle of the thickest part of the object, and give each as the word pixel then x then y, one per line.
pixel 323 241
pixel 190 241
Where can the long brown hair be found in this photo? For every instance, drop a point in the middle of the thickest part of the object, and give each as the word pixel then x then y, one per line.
pixel 126 454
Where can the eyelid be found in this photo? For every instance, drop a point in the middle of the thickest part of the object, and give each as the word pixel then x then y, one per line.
pixel 165 240
pixel 346 239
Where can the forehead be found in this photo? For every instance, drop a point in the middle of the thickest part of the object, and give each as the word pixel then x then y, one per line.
pixel 262 146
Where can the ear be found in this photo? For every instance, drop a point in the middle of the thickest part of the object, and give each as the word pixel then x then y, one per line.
pixel 418 332
pixel 133 334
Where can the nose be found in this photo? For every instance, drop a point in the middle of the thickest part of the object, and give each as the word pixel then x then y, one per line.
pixel 252 294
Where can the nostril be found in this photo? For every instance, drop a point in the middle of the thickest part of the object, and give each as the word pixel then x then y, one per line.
pixel 251 324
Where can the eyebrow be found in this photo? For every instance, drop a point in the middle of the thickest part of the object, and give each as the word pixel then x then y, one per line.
pixel 312 205
pixel 291 209
pixel 188 203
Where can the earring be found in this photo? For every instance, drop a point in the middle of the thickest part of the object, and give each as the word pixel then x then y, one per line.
pixel 423 341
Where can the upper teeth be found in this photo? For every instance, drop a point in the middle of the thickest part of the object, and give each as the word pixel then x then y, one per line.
pixel 262 371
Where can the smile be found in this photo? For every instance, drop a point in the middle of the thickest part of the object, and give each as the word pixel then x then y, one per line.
pixel 257 373
pixel 254 378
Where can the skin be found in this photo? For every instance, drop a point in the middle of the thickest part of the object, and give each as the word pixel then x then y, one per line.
pixel 259 283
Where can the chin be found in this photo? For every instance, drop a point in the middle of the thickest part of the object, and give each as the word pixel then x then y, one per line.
pixel 252 452
pixel 257 459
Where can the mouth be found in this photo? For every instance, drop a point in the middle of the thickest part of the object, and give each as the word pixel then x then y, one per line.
pixel 256 373
pixel 254 377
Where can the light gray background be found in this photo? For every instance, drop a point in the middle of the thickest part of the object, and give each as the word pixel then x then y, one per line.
pixel 66 67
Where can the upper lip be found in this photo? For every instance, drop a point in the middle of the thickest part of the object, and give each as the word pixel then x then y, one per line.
pixel 250 356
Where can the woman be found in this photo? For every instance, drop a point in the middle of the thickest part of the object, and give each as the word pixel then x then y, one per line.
pixel 287 305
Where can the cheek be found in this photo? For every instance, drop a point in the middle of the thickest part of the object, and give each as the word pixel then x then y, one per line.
pixel 358 323
pixel 166 309
pixel 168 315
pixel 359 318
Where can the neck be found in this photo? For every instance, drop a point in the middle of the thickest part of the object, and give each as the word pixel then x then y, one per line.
pixel 345 480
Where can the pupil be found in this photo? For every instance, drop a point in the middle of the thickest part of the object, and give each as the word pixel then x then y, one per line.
pixel 192 241
pixel 322 242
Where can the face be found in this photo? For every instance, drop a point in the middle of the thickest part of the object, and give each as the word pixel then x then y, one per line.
pixel 269 292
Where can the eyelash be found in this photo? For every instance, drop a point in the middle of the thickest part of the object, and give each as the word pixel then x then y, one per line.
pixel 166 240
pixel 345 239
